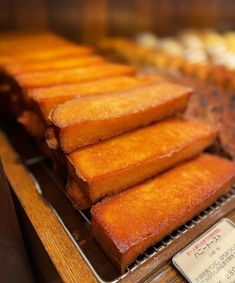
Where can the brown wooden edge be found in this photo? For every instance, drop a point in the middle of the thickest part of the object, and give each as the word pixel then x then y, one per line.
pixel 12 253
pixel 63 253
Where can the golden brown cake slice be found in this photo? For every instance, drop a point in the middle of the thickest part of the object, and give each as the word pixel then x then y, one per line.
pixel 49 78
pixel 123 161
pixel 68 62
pixel 47 98
pixel 30 48
pixel 156 208
pixel 51 52
pixel 76 195
pixel 85 121
pixel 15 43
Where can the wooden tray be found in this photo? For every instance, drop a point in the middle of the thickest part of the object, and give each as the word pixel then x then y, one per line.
pixel 65 232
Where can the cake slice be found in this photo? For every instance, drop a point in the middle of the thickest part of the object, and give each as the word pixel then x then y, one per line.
pixel 127 224
pixel 73 192
pixel 123 161
pixel 16 44
pixel 85 121
pixel 47 98
pixel 51 52
pixel 66 62
pixel 49 78
pixel 76 195
pixel 37 47
pixel 35 121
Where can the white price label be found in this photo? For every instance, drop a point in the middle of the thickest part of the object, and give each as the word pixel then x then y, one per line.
pixel 211 257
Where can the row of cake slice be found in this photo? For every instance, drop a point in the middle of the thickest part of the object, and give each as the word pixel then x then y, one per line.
pixel 113 130
pixel 130 222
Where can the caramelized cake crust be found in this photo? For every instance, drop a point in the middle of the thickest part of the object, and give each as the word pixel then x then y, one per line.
pixel 76 195
pixel 52 52
pixel 123 161
pixel 49 97
pixel 87 120
pixel 158 207
pixel 50 78
pixel 68 62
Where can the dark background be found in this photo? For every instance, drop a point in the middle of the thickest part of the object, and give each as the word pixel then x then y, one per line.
pixel 88 20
